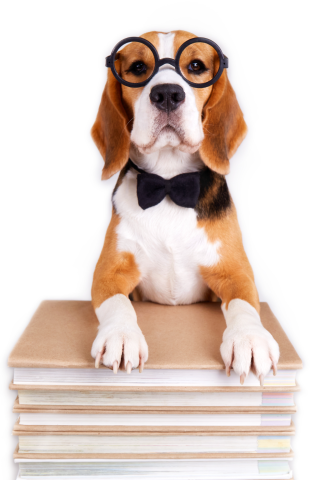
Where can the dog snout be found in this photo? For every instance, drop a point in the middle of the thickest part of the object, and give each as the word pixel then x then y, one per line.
pixel 167 96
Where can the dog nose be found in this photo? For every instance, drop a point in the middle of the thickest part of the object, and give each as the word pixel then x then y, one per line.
pixel 167 96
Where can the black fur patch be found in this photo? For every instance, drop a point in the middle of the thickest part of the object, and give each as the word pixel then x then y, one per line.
pixel 214 198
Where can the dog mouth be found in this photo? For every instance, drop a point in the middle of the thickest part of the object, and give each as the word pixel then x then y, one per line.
pixel 170 125
pixel 174 136
pixel 168 129
pixel 171 133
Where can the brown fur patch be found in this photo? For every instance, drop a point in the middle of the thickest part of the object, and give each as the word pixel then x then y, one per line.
pixel 109 131
pixel 232 277
pixel 224 126
pixel 116 272
pixel 131 95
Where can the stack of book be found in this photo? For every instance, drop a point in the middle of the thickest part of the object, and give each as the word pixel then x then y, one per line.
pixel 182 418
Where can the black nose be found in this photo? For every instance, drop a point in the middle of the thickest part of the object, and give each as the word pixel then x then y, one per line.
pixel 167 96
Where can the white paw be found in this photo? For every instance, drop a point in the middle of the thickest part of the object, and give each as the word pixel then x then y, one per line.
pixel 119 336
pixel 246 343
pixel 127 341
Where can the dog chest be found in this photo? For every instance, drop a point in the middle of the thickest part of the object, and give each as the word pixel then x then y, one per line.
pixel 167 244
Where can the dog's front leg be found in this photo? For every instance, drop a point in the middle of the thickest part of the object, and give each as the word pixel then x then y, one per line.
pixel 246 343
pixel 119 335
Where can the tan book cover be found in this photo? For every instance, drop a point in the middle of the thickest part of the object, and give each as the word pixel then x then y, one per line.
pixel 154 410
pixel 61 333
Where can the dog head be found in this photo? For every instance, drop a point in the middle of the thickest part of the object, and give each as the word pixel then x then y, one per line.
pixel 168 112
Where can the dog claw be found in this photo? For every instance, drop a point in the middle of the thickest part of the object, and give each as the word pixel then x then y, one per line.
pixel 261 380
pixel 115 366
pixel 98 358
pixel 228 370
pixel 141 366
pixel 242 378
pixel 274 368
pixel 128 368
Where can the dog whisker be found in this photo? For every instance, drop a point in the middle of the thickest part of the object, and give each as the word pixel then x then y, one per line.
pixel 125 127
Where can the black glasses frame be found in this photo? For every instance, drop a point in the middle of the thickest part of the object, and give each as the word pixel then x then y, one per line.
pixel 109 61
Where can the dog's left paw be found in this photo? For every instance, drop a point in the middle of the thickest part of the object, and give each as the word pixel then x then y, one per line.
pixel 246 344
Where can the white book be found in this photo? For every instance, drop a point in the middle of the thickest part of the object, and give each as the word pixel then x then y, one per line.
pixel 145 444
pixel 150 377
pixel 158 419
pixel 155 399
pixel 224 469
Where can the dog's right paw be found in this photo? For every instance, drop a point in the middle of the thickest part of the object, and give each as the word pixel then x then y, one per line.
pixel 122 340
pixel 119 336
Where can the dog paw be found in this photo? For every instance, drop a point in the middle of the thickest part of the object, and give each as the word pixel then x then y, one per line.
pixel 125 342
pixel 247 344
pixel 119 336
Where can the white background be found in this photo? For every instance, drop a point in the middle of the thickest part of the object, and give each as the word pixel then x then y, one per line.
pixel 55 209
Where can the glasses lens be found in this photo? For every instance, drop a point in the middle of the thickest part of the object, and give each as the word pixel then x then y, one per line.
pixel 199 62
pixel 134 62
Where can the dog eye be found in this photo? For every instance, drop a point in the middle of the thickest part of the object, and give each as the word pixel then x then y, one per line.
pixel 197 67
pixel 137 68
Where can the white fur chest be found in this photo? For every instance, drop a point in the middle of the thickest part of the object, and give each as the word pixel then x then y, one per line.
pixel 167 245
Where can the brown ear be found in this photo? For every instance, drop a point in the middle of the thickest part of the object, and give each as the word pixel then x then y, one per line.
pixel 109 131
pixel 224 126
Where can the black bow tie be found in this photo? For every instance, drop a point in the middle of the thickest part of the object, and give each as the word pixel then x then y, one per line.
pixel 183 189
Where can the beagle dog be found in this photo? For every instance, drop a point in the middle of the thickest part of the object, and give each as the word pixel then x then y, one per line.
pixel 171 254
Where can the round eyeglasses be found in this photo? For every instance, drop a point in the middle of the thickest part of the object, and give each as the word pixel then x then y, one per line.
pixel 134 61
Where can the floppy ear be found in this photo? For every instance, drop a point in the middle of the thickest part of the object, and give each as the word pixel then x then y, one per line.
pixel 224 126
pixel 109 131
